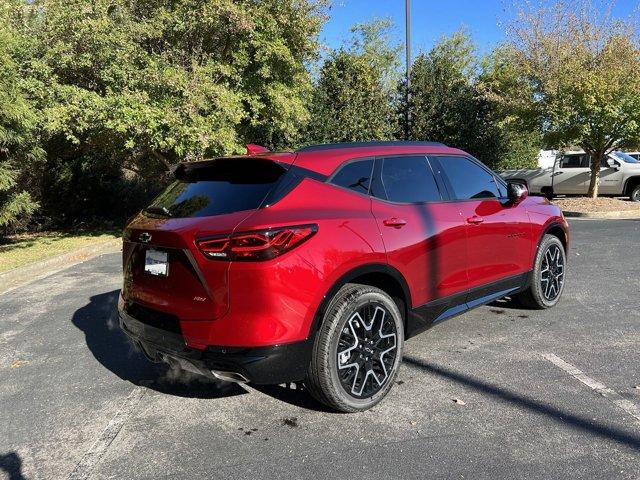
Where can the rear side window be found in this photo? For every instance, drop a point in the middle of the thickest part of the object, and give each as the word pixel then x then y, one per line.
pixel 574 161
pixel 409 180
pixel 468 179
pixel 222 186
pixel 355 176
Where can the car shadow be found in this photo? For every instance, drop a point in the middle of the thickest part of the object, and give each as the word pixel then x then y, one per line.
pixel 98 320
pixel 586 425
pixel 11 464
pixel 508 303
pixel 294 394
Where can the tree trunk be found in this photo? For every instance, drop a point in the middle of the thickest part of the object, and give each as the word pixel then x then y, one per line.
pixel 596 158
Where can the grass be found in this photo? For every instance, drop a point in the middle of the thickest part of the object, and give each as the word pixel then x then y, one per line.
pixel 20 250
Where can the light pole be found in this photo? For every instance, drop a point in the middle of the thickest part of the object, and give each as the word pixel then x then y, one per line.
pixel 407 17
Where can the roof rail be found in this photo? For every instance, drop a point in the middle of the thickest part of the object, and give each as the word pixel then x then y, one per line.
pixel 388 143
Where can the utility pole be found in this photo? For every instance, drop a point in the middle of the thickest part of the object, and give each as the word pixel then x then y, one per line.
pixel 407 16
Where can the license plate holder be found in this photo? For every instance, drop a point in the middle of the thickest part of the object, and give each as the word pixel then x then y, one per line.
pixel 156 263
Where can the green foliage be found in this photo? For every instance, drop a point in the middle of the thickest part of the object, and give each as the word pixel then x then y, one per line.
pixel 19 150
pixel 124 89
pixel 449 104
pixel 353 97
pixel 517 137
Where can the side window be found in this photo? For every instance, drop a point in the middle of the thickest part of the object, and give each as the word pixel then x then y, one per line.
pixel 355 176
pixel 468 179
pixel 604 163
pixel 574 161
pixel 409 180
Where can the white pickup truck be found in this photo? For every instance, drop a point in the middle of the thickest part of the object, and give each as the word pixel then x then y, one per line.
pixel 570 175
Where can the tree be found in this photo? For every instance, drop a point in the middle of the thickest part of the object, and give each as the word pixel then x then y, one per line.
pixel 353 95
pixel 518 141
pixel 577 78
pixel 124 89
pixel 445 104
pixel 19 149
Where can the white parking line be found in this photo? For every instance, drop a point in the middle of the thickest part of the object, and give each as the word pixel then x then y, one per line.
pixel 90 459
pixel 614 397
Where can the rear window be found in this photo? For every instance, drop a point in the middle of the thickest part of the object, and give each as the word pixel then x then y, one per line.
pixel 219 187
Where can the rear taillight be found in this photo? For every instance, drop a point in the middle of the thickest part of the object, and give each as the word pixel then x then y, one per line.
pixel 255 245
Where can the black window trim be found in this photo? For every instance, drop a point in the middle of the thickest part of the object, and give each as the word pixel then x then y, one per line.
pixel 377 178
pixel 449 188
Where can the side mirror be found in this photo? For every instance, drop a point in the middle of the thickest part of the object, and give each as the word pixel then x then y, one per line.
pixel 612 163
pixel 517 192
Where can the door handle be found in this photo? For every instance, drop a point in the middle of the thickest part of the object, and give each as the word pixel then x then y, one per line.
pixel 394 222
pixel 555 174
pixel 475 220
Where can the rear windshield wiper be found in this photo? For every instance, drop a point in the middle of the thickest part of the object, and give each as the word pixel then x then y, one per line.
pixel 157 210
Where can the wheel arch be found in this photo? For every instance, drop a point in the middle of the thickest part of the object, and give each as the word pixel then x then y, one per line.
pixel 557 230
pixel 379 275
pixel 630 184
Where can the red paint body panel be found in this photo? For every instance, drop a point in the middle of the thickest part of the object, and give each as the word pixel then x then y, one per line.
pixel 430 250
pixel 501 245
pixel 263 303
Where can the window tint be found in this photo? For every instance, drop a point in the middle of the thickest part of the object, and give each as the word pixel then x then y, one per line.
pixel 409 180
pixel 574 161
pixel 222 186
pixel 468 179
pixel 355 176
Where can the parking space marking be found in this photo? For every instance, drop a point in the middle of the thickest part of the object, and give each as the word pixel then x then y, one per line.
pixel 90 459
pixel 611 395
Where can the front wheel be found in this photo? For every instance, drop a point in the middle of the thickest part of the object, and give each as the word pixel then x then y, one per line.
pixel 547 282
pixel 634 196
pixel 358 349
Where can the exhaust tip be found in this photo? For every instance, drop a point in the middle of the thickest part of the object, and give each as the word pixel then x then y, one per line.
pixel 229 376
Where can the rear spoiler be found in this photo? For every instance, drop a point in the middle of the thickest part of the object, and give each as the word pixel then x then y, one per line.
pixel 252 150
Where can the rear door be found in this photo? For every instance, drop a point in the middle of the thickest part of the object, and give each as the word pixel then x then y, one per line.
pixel 424 236
pixel 497 232
pixel 572 174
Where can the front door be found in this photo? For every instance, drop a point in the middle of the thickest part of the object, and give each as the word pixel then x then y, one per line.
pixel 610 177
pixel 498 233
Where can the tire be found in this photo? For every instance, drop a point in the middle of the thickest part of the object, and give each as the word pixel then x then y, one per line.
pixel 375 349
pixel 548 279
pixel 634 195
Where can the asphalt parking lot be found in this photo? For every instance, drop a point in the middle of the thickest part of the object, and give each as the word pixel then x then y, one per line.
pixel 497 393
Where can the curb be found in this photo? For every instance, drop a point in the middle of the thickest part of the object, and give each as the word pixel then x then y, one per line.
pixel 625 214
pixel 35 271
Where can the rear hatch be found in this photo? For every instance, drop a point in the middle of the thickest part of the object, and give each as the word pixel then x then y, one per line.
pixel 163 269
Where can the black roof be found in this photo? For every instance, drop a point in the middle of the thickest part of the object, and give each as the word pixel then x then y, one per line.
pixel 392 143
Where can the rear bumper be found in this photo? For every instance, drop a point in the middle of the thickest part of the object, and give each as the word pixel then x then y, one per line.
pixel 261 365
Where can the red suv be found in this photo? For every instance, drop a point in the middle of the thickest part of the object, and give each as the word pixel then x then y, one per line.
pixel 317 265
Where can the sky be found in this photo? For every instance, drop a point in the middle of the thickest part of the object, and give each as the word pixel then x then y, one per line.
pixel 431 19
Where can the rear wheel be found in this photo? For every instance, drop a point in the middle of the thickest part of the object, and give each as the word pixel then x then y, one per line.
pixel 547 282
pixel 634 196
pixel 358 349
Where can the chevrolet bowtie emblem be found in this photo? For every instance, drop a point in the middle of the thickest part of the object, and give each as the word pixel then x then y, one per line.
pixel 145 237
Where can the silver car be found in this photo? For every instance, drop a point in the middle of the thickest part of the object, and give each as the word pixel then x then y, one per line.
pixel 571 174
